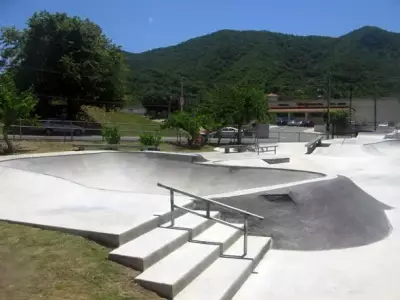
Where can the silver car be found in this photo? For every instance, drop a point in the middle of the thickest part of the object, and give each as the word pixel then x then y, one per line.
pixel 58 126
pixel 227 132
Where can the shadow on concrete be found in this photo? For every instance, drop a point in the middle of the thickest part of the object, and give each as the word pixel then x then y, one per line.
pixel 329 214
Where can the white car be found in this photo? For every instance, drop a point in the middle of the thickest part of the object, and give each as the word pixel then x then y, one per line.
pixel 384 124
pixel 227 132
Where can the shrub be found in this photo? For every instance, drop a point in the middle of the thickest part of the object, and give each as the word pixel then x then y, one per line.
pixel 150 139
pixel 111 134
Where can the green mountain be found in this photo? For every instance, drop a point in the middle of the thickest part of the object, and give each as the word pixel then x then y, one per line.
pixel 368 59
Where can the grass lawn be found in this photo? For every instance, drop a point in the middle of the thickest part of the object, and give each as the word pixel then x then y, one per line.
pixel 42 264
pixel 49 146
pixel 129 124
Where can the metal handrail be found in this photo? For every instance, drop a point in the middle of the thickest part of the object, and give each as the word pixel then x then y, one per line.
pixel 245 214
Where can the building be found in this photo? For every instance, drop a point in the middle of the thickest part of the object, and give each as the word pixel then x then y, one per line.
pixel 363 110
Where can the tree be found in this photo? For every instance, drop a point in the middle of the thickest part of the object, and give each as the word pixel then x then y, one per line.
pixel 237 105
pixel 188 122
pixel 339 120
pixel 213 113
pixel 13 106
pixel 65 58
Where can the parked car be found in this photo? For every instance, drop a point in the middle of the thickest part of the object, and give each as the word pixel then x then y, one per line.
pixel 292 123
pixel 281 122
pixel 307 123
pixel 227 132
pixel 59 126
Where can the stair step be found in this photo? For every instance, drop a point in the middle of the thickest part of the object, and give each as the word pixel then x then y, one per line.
pixel 149 248
pixel 229 273
pixel 174 272
pixel 217 234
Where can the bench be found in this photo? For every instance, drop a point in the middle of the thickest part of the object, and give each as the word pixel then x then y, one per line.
pixel 267 148
pixel 82 147
pixel 239 148
pixel 314 144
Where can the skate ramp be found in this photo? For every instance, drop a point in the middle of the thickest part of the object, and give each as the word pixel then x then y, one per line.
pixel 140 172
pixel 323 215
pixel 384 148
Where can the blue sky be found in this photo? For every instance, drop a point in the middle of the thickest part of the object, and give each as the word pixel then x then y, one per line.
pixel 140 25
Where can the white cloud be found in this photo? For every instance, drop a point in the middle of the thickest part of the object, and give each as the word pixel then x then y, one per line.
pixel 150 20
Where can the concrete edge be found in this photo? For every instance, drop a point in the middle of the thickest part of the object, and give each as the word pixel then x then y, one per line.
pixel 386 141
pixel 106 239
pixel 188 157
pixel 232 167
pixel 269 188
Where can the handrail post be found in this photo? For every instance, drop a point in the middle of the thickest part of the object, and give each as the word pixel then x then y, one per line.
pixel 245 234
pixel 171 193
pixel 208 209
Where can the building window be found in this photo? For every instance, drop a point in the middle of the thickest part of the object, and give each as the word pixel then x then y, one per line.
pixel 282 104
pixel 342 103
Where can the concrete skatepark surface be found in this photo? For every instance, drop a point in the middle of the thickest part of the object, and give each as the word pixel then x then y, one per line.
pixel 323 215
pixel 140 173
pixel 104 195
pixel 344 247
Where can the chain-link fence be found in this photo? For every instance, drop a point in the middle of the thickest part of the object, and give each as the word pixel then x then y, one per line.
pixel 60 130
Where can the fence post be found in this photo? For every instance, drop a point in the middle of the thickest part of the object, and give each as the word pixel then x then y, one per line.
pixel 279 136
pixel 20 129
pixel 298 139
pixel 171 193
pixel 72 131
pixel 245 235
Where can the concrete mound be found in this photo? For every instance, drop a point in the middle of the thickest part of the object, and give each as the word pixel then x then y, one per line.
pixel 140 172
pixel 323 215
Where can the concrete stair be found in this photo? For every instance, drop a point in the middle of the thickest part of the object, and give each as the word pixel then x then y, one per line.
pixel 171 274
pixel 197 258
pixel 149 248
pixel 227 274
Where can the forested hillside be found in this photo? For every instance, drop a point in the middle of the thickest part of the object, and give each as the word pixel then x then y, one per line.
pixel 293 66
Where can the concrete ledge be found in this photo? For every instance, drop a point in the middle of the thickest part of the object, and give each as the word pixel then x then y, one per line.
pixel 314 144
pixel 276 160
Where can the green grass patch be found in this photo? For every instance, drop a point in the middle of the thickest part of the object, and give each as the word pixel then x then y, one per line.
pixel 43 264
pixel 129 124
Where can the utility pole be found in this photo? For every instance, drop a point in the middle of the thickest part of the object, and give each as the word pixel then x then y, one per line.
pixel 351 103
pixel 375 96
pixel 329 106
pixel 169 105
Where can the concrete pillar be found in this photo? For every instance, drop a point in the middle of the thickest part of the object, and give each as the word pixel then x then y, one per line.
pixel 289 116
pixel 306 116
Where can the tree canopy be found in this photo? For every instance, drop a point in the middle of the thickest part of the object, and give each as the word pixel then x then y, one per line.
pixel 66 59
pixel 236 105
pixel 13 105
pixel 291 66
